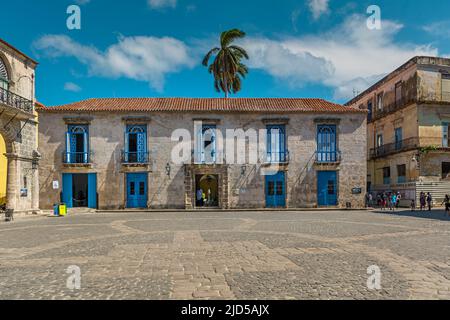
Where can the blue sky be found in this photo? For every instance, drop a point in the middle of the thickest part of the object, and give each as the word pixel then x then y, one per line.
pixel 153 48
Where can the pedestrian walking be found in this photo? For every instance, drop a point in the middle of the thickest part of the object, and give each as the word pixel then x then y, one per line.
pixel 399 197
pixel 393 201
pixel 383 201
pixel 447 205
pixel 422 201
pixel 429 201
pixel 413 205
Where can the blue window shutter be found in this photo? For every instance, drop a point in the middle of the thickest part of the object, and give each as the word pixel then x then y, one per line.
pixel 85 147
pixel 68 147
pixel 213 144
pixel 199 145
pixel 92 190
pixel 67 189
pixel 269 143
pixel 445 135
pixel 282 143
pixel 141 146
pixel 127 149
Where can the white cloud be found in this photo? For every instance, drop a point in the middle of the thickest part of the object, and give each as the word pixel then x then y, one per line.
pixel 439 29
pixel 140 58
pixel 346 58
pixel 70 86
pixel 159 4
pixel 277 59
pixel 318 7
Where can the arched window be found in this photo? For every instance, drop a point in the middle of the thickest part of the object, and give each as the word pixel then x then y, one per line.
pixel 136 129
pixel 4 77
pixel 78 130
pixel 326 143
pixel 136 144
pixel 77 144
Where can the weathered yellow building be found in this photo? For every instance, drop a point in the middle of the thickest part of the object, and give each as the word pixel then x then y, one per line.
pixel 408 129
pixel 3 170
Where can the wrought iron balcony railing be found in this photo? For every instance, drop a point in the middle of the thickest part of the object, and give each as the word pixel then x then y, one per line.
pixel 15 101
pixel 328 156
pixel 76 157
pixel 392 148
pixel 277 157
pixel 141 157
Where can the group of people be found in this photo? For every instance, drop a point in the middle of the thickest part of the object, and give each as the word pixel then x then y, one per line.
pixel 204 199
pixel 425 200
pixel 389 200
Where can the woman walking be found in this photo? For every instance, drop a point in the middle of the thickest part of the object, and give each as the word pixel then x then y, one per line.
pixel 429 201
pixel 447 204
pixel 422 201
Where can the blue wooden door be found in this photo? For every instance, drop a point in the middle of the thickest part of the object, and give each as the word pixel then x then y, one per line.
pixel 92 190
pixel 327 188
pixel 276 190
pixel 137 190
pixel 67 189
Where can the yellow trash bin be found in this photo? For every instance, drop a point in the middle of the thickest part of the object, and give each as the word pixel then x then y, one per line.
pixel 62 209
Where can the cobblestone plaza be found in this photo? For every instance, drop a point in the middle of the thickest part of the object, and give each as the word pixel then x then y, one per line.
pixel 227 255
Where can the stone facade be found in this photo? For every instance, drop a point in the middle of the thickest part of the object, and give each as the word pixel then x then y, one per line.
pixel 240 186
pixel 415 100
pixel 18 128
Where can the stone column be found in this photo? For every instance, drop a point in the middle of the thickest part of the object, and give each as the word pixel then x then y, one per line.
pixel 11 184
pixel 35 192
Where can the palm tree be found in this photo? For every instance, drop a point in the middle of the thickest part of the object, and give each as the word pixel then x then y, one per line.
pixel 227 67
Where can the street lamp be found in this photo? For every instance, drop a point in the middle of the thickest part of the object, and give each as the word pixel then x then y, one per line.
pixel 168 169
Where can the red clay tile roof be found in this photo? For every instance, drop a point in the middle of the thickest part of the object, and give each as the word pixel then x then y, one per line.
pixel 202 105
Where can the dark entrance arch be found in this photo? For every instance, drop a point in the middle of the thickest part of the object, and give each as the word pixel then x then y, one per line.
pixel 207 190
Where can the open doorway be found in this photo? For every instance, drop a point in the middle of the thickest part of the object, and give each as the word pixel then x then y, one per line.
pixel 80 190
pixel 207 191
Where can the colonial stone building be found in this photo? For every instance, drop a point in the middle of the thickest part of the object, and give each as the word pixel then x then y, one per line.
pixel 19 178
pixel 408 129
pixel 175 153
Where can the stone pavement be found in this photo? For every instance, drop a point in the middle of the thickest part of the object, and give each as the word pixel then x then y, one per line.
pixel 227 255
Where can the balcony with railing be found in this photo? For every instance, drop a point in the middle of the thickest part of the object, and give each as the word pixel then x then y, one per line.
pixel 135 158
pixel 277 157
pixel 394 106
pixel 396 147
pixel 15 103
pixel 328 157
pixel 76 158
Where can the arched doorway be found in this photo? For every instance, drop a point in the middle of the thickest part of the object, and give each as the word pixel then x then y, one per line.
pixel 207 190
pixel 3 171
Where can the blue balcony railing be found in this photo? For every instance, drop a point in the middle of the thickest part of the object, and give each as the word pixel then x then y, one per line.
pixel 328 156
pixel 277 156
pixel 135 157
pixel 76 157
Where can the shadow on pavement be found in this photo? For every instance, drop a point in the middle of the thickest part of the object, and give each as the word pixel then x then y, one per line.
pixel 431 215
